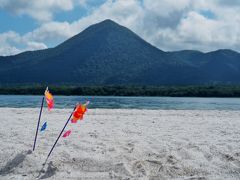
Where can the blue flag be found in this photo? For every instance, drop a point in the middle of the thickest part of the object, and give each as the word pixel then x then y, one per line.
pixel 44 126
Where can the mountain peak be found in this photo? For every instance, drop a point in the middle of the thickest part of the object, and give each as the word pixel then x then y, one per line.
pixel 106 34
pixel 107 21
pixel 106 24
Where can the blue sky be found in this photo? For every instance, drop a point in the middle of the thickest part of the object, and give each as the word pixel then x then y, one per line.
pixel 15 23
pixel 170 25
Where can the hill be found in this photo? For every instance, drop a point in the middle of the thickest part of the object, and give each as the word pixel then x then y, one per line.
pixel 110 54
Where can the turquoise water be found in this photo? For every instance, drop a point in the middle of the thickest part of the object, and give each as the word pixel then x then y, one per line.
pixel 126 102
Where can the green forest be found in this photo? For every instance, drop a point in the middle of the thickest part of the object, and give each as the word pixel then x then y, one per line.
pixel 172 91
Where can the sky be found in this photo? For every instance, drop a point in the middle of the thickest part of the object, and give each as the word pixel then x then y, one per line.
pixel 170 25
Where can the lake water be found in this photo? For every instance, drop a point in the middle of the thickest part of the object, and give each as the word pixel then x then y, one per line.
pixel 126 102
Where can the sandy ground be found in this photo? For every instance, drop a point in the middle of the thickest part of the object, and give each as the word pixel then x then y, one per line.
pixel 122 144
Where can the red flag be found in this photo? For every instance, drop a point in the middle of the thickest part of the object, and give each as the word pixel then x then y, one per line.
pixel 66 134
pixel 79 112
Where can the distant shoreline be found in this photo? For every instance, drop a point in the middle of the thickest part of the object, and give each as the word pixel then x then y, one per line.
pixel 168 91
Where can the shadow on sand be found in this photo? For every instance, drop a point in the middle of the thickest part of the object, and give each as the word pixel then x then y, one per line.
pixel 51 170
pixel 15 162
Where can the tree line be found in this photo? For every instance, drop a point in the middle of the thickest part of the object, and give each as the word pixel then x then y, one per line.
pixel 173 91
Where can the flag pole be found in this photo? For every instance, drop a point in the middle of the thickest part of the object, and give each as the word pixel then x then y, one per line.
pixel 40 114
pixel 60 135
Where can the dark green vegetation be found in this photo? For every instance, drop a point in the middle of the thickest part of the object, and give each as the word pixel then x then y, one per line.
pixel 175 91
pixel 109 54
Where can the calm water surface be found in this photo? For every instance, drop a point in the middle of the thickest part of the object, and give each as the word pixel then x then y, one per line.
pixel 126 102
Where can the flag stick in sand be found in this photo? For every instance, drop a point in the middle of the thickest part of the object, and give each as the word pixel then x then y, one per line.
pixel 60 135
pixel 42 170
pixel 39 118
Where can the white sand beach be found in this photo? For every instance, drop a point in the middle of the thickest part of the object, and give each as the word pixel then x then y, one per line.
pixel 122 144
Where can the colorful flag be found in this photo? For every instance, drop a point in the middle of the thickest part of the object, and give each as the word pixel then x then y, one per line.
pixel 49 99
pixel 66 134
pixel 44 126
pixel 76 114
pixel 79 112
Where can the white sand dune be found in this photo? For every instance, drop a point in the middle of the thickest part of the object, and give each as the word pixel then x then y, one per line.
pixel 122 144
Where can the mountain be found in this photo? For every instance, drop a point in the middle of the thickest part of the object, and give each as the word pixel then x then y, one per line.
pixel 110 54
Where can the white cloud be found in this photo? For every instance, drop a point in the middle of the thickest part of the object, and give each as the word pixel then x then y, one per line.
pixel 9 50
pixel 165 7
pixel 6 41
pixel 182 26
pixel 51 31
pixel 35 45
pixel 41 10
pixel 168 24
pixel 12 43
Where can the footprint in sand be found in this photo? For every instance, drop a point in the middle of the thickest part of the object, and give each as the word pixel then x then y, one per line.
pixel 154 167
pixel 129 147
pixel 120 170
pixel 232 160
pixel 138 169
